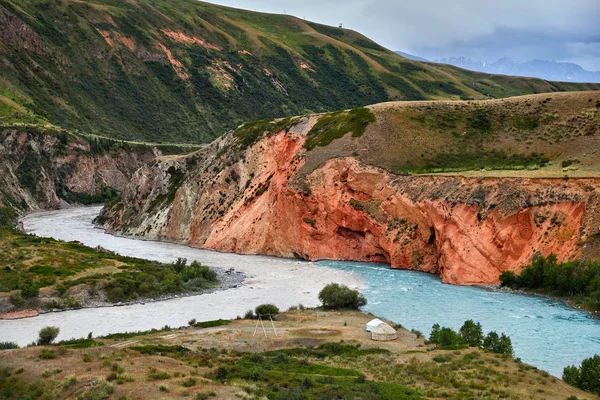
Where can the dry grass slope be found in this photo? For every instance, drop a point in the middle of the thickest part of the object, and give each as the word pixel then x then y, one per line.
pixel 545 135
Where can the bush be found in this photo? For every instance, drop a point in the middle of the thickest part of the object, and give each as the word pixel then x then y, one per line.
pixel 497 344
pixel 8 345
pixel 266 310
pixel 579 279
pixel 335 296
pixel 471 333
pixel 249 314
pixel 508 278
pixel 47 335
pixel 585 377
pixel 16 300
pixel 444 336
pixel 29 290
pixel 47 354
pixel 8 216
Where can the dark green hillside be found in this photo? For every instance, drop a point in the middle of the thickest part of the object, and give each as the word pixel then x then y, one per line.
pixel 187 71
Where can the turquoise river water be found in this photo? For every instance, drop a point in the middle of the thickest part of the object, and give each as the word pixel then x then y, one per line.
pixel 544 332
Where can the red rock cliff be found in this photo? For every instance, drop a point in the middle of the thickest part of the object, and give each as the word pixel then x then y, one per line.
pixel 260 199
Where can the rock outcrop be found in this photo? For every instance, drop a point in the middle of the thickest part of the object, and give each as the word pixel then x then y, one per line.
pixel 245 196
pixel 49 169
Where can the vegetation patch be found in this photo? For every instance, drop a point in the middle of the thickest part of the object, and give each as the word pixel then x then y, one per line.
pixel 31 263
pixel 468 161
pixel 252 132
pixel 211 324
pixel 577 281
pixel 335 296
pixel 335 125
pixel 160 349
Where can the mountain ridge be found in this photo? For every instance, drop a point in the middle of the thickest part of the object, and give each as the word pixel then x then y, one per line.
pixel 543 69
pixel 188 71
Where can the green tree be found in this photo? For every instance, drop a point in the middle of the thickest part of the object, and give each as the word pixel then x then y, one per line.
pixel 29 290
pixel 266 310
pixel 586 377
pixel 508 278
pixel 47 335
pixel 497 344
pixel 571 375
pixel 434 337
pixel 448 337
pixel 335 296
pixel 444 336
pixel 471 333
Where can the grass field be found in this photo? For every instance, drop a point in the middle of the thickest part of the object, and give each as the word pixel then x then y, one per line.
pixel 315 355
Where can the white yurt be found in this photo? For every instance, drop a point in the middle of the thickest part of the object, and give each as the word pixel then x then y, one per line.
pixel 372 324
pixel 384 333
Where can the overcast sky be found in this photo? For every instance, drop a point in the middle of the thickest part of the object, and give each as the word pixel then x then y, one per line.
pixel 559 30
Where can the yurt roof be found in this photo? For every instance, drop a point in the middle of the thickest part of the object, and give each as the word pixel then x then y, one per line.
pixel 383 328
pixel 375 322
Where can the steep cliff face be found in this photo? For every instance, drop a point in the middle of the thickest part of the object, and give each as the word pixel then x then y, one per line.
pixel 245 196
pixel 48 169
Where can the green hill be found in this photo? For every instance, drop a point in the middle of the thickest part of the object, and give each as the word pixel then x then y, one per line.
pixel 187 71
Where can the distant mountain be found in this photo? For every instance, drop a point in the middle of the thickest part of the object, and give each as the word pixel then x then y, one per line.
pixel 411 57
pixel 549 70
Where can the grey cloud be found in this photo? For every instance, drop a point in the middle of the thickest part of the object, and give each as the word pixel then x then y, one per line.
pixel 520 29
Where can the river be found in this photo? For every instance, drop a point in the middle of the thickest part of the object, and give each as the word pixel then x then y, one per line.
pixel 268 280
pixel 545 333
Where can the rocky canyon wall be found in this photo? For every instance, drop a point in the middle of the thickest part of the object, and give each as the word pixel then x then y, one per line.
pixel 259 198
pixel 49 169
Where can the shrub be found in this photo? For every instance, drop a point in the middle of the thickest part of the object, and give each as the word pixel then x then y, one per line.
pixel 444 336
pixel 8 216
pixel 249 314
pixel 47 335
pixel 16 300
pixel 47 354
pixel 418 333
pixel 189 382
pixel 497 344
pixel 29 290
pixel 508 278
pixel 335 296
pixel 266 310
pixel 8 345
pixel 472 333
pixel 585 377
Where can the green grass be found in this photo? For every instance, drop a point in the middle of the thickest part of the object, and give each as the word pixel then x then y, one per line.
pixel 137 94
pixel 251 132
pixel 468 161
pixel 212 324
pixel 160 349
pixel 79 343
pixel 335 125
pixel 279 375
pixel 32 262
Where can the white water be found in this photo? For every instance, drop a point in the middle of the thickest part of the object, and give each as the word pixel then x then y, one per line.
pixel 269 280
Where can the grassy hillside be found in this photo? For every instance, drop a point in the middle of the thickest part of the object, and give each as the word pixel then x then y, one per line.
pixel 317 355
pixel 541 135
pixel 187 71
